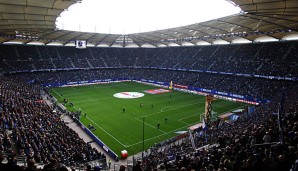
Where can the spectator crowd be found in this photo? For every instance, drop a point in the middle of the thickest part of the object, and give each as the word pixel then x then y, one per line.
pixel 37 132
pixel 263 140
pixel 270 58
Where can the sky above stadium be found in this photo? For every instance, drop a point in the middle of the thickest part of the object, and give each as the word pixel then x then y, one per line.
pixel 135 16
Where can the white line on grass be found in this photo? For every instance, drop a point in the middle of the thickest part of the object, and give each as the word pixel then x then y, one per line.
pixel 107 132
pixel 173 109
pixel 161 110
pixel 56 92
pixel 182 122
pixel 151 125
pixel 104 130
pixel 74 93
pixel 176 108
pixel 95 100
pixel 187 117
pixel 158 136
pixel 100 127
pixel 168 110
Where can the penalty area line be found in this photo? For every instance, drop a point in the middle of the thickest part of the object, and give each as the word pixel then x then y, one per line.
pixel 172 108
pixel 181 120
pixel 150 125
pixel 178 129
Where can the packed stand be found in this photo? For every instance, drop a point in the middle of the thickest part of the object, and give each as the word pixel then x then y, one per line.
pixel 38 132
pixel 270 59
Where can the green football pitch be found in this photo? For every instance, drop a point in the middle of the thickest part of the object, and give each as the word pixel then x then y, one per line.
pixel 121 130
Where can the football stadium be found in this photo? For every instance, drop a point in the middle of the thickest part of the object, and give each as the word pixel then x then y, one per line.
pixel 218 94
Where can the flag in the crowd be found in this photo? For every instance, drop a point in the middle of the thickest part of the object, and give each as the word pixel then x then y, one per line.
pixel 220 123
pixel 31 81
pixel 192 140
pixel 204 126
pixel 280 124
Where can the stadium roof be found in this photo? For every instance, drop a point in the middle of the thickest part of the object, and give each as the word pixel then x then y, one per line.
pixel 30 21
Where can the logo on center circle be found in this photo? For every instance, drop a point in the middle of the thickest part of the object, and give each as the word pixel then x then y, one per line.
pixel 128 95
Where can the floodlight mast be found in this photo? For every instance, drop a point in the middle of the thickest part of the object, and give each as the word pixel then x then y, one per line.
pixel 208 108
pixel 143 149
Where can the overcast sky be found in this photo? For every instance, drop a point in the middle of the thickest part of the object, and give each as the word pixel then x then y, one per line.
pixel 134 16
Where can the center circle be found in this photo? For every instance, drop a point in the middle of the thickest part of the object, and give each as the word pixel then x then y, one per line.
pixel 128 95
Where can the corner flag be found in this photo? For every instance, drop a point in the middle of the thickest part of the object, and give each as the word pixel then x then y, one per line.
pixel 171 85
